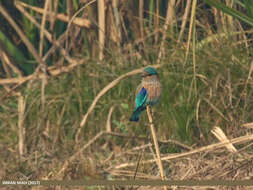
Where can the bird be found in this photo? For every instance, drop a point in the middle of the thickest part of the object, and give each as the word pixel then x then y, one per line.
pixel 148 92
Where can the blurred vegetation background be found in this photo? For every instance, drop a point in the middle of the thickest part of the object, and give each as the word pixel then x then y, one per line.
pixel 57 56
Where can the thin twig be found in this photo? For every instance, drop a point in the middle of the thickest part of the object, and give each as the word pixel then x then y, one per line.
pixel 138 163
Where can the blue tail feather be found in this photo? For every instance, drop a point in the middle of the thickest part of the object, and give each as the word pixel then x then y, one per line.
pixel 136 114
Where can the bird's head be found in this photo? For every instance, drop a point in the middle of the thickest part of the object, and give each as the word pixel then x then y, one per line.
pixel 149 71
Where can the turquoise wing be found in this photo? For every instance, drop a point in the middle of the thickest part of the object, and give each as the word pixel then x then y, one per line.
pixel 141 97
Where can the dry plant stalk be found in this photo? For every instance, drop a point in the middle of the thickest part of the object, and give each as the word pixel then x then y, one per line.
pixel 108 122
pixel 43 64
pixel 248 125
pixel 168 21
pixel 141 4
pixel 21 129
pixel 101 28
pixel 222 138
pixel 193 11
pixel 156 21
pixel 158 155
pixel 116 23
pixel 184 20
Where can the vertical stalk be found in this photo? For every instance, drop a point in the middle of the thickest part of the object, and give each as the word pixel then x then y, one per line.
pixel 43 64
pixel 184 20
pixel 141 4
pixel 158 155
pixel 156 21
pixel 151 12
pixel 194 55
pixel 21 129
pixel 101 28
pixel 193 11
pixel 168 21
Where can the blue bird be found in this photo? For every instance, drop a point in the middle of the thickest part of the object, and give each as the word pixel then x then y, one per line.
pixel 147 93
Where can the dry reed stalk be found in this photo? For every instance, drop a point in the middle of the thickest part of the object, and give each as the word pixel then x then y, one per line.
pixel 43 64
pixel 21 129
pixel 194 4
pixel 108 122
pixel 248 125
pixel 53 8
pixel 158 155
pixel 42 27
pixel 171 12
pixel 116 26
pixel 168 21
pixel 156 21
pixel 101 28
pixel 223 138
pixel 141 4
pixel 184 20
pixel 197 118
pixel 70 11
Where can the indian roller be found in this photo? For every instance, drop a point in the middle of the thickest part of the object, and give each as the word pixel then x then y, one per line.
pixel 148 92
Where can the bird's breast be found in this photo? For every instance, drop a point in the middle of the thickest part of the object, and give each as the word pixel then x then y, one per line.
pixel 154 89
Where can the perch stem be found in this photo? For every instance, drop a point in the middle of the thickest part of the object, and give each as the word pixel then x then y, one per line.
pixel 158 155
